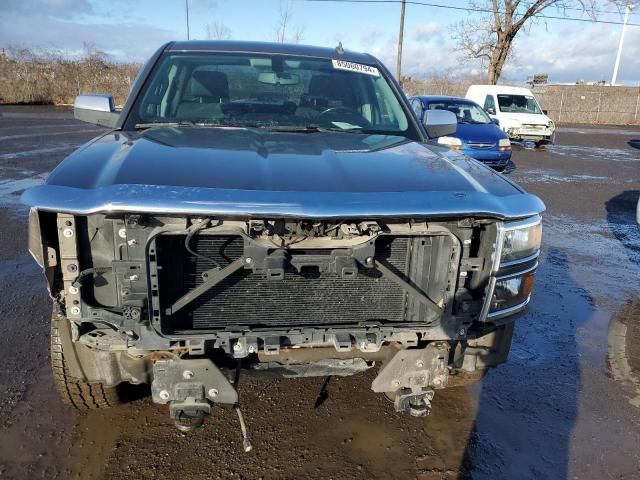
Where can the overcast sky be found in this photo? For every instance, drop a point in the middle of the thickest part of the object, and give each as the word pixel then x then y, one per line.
pixel 132 30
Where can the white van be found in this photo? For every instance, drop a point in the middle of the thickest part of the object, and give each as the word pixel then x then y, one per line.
pixel 516 109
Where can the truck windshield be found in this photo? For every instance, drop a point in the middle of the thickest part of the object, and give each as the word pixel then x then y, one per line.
pixel 268 91
pixel 518 104
pixel 466 112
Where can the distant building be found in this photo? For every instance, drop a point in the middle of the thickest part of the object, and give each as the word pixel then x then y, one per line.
pixel 538 79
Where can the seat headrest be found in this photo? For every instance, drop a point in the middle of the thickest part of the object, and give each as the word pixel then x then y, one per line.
pixel 335 87
pixel 320 86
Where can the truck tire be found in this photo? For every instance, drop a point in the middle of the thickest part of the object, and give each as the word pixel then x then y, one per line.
pixel 75 392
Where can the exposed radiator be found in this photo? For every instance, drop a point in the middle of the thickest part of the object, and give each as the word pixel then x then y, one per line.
pixel 307 298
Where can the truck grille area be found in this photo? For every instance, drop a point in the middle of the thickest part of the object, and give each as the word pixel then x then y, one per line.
pixel 300 298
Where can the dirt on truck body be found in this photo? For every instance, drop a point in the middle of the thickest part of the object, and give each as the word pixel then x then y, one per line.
pixel 275 209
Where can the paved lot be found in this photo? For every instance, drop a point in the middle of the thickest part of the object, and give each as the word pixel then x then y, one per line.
pixel 566 405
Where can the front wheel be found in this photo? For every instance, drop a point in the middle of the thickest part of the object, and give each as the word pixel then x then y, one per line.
pixel 75 392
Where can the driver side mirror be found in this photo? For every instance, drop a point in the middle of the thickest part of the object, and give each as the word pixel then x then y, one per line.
pixel 491 111
pixel 546 112
pixel 96 108
pixel 439 123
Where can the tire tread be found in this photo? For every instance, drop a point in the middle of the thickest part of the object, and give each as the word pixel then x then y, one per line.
pixel 74 392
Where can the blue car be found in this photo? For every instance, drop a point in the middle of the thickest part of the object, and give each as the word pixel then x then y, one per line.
pixel 477 135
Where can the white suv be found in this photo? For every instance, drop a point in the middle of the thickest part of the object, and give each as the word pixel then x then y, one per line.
pixel 516 109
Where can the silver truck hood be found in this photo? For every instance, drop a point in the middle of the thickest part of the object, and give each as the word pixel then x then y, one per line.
pixel 253 172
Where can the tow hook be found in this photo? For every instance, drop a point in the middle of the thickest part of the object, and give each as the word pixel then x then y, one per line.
pixel 190 387
pixel 418 404
pixel 190 414
pixel 411 376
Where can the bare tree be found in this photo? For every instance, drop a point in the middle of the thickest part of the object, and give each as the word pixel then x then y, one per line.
pixel 489 38
pixel 285 14
pixel 218 31
pixel 298 35
pixel 91 53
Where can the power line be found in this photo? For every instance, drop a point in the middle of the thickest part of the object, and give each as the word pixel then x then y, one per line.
pixel 476 10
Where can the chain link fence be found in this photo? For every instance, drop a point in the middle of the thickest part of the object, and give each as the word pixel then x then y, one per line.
pixel 592 104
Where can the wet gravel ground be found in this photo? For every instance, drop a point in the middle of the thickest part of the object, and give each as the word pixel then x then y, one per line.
pixel 566 405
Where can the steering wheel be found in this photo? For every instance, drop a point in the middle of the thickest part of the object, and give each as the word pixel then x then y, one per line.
pixel 344 114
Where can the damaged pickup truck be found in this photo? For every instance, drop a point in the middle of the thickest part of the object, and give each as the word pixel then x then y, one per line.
pixel 275 209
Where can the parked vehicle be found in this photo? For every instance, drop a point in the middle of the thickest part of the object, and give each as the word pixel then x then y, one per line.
pixel 517 110
pixel 477 135
pixel 275 208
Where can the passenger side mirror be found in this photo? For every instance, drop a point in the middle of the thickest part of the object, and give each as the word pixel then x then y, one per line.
pixel 496 121
pixel 96 108
pixel 439 123
pixel 491 111
pixel 546 112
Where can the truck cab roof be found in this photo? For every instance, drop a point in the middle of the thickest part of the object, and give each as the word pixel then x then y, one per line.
pixel 272 48
pixel 504 89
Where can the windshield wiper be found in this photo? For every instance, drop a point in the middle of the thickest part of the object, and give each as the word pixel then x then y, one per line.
pixel 311 128
pixel 292 128
pixel 188 123
pixel 140 126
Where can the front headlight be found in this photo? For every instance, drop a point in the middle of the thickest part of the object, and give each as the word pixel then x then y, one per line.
pixel 504 144
pixel 451 142
pixel 521 240
pixel 512 291
pixel 509 291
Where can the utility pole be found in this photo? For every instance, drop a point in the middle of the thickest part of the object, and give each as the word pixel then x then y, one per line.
pixel 186 4
pixel 400 35
pixel 627 10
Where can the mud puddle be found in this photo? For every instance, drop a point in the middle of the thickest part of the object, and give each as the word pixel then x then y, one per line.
pixel 595 153
pixel 59 148
pixel 58 125
pixel 624 348
pixel 554 387
pixel 601 260
pixel 550 176
pixel 586 130
pixel 10 190
pixel 49 134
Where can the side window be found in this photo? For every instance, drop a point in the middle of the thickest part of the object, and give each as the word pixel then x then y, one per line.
pixel 391 112
pixel 416 105
pixel 490 104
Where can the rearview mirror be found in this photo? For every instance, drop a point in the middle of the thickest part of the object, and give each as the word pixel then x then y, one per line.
pixel 274 78
pixel 96 108
pixel 439 123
